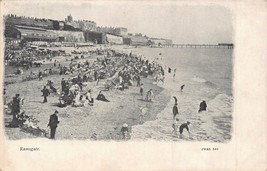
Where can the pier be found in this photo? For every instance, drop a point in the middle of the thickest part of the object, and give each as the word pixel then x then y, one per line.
pixel 220 45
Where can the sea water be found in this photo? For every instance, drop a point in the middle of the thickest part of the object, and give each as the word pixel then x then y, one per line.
pixel 207 75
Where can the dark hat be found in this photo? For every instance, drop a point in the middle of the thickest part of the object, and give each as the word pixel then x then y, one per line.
pixel 56 111
pixel 188 122
pixel 17 95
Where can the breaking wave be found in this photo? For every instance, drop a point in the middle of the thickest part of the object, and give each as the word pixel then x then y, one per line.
pixel 212 125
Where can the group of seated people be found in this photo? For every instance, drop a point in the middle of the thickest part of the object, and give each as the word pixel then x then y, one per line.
pixel 77 99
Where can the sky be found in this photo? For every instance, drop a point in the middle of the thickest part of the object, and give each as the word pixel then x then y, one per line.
pixel 207 24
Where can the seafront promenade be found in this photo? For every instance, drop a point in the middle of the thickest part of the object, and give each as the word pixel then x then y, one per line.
pixel 223 46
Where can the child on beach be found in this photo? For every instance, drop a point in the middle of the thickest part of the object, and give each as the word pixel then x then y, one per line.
pixel 174 73
pixel 124 131
pixel 142 114
pixel 141 89
pixel 149 95
pixel 184 126
pixel 182 87
pixel 89 97
pixel 175 126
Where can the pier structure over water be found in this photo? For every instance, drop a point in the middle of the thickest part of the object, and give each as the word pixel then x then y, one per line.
pixel 220 45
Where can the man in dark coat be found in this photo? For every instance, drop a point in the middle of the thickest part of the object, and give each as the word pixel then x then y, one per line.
pixel 53 121
pixel 15 106
pixel 175 110
pixel 202 106
pixel 45 94
pixel 63 84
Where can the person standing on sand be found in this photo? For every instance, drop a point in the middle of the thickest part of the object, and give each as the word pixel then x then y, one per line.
pixel 138 79
pixel 63 84
pixel 175 111
pixel 45 92
pixel 40 75
pixel 175 99
pixel 149 95
pixel 141 89
pixel 182 87
pixel 142 114
pixel 95 75
pixel 175 126
pixel 15 108
pixel 53 121
pixel 5 96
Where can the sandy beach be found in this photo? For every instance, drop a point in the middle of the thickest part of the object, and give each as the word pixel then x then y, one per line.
pixel 104 118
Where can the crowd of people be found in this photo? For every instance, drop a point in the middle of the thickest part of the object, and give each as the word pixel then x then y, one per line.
pixel 117 72
pixel 25 57
pixel 120 72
